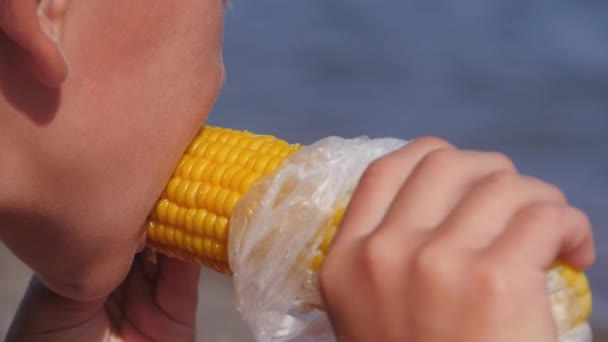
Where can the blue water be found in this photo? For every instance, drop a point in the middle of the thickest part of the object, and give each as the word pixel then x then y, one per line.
pixel 529 78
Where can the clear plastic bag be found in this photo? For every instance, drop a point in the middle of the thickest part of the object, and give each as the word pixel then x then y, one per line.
pixel 277 227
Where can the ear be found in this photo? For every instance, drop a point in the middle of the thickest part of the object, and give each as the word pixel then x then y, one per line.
pixel 35 28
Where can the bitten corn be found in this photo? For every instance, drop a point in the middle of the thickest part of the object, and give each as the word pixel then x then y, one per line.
pixel 190 220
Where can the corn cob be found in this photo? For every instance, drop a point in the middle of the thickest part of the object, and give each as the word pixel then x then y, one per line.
pixel 191 219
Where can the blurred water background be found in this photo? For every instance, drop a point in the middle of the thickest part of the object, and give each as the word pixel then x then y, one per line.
pixel 525 77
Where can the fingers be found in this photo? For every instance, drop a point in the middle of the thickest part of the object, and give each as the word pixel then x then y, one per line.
pixel 486 211
pixel 379 185
pixel 541 233
pixel 164 308
pixel 438 184
pixel 177 289
pixel 494 233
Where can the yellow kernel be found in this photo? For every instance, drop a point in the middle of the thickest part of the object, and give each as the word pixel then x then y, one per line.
pixel 207 246
pixel 194 146
pixel 248 181
pixel 198 245
pixel 317 262
pixel 212 150
pixel 251 162
pixel 169 235
pixel 172 187
pixel 220 199
pixel 580 285
pixel 161 209
pixel 213 135
pixel 191 192
pixel 221 230
pixel 216 249
pixel 206 176
pixel 222 154
pixel 275 149
pixel 181 217
pixel 254 144
pixel 188 243
pixel 586 306
pixel 230 201
pixel 190 215
pixel 232 154
pixel 176 171
pixel 179 238
pixel 209 223
pixel 272 164
pixel 237 179
pixel 338 216
pixel 151 230
pixel 244 157
pixel 199 221
pixel 198 169
pixel 202 194
pixel 180 192
pixel 218 172
pixel 264 146
pixel 243 142
pixel 228 174
pixel 202 150
pixel 224 136
pixel 234 138
pixel 286 151
pixel 260 163
pixel 208 228
pixel 568 274
pixel 172 214
pixel 327 238
pixel 211 195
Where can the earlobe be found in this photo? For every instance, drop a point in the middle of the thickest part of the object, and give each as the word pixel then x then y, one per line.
pixel 35 28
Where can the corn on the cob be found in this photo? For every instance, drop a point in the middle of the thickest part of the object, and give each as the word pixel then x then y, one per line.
pixel 191 220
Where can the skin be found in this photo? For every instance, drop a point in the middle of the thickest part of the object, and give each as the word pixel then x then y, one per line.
pixel 92 121
pixel 98 101
pixel 450 256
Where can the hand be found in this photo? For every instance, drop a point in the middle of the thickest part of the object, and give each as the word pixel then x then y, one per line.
pixel 156 302
pixel 440 244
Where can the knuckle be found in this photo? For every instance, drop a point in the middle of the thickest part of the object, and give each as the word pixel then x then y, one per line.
pixel 378 258
pixel 501 180
pixel 543 212
pixel 555 192
pixel 440 159
pixel 502 160
pixel 489 278
pixel 581 217
pixel 432 265
pixel 432 143
pixel 379 169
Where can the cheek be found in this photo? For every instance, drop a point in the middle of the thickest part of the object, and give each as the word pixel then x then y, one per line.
pixel 169 53
pixel 139 88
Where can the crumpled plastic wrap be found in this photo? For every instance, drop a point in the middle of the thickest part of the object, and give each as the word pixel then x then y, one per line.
pixel 278 225
pixel 565 308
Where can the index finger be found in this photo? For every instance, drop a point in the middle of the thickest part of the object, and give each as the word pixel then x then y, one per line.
pixel 378 187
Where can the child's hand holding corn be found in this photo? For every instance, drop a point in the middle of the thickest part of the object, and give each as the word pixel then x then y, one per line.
pixel 441 244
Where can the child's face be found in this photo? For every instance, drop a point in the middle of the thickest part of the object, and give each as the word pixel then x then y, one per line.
pixel 143 76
